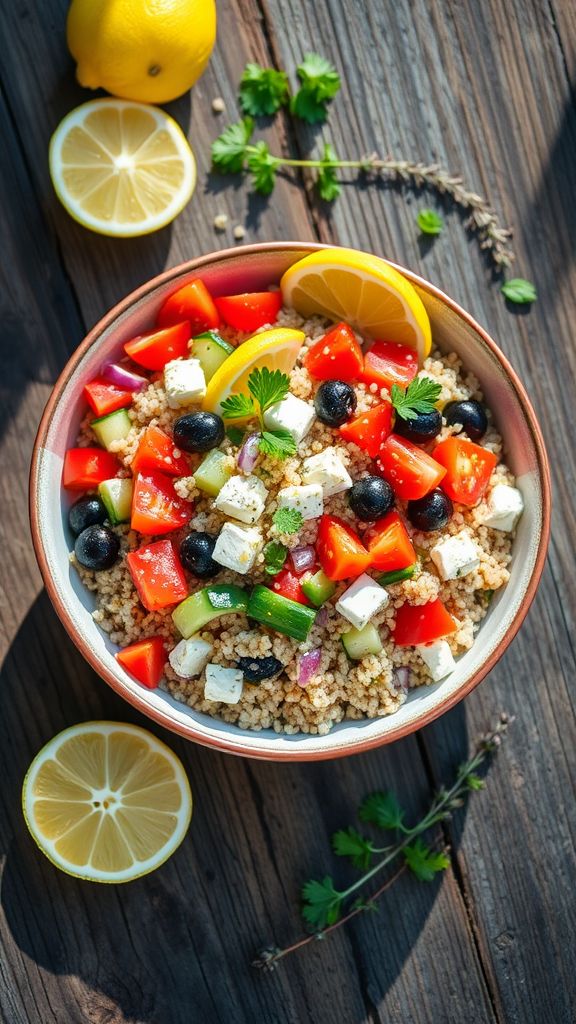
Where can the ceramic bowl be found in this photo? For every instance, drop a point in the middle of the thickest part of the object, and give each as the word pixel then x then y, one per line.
pixel 253 268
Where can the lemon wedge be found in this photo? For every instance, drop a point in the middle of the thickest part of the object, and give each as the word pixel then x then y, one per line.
pixel 121 168
pixel 277 349
pixel 107 802
pixel 364 291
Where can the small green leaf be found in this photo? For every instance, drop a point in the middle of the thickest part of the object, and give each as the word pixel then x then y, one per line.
pixel 263 90
pixel 268 387
pixel 349 843
pixel 229 149
pixel 474 782
pixel 236 435
pixel 327 181
pixel 429 222
pixel 424 862
pixel 287 520
pixel 275 555
pixel 322 903
pixel 319 83
pixel 420 396
pixel 382 810
pixel 263 167
pixel 519 291
pixel 237 407
pixel 278 443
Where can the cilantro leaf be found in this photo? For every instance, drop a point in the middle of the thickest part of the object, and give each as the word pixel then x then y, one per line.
pixel 319 83
pixel 322 903
pixel 279 443
pixel 429 222
pixel 287 520
pixel 263 90
pixel 229 149
pixel 275 554
pixel 268 387
pixel 519 291
pixel 419 396
pixel 382 810
pixel 349 843
pixel 327 182
pixel 237 406
pixel 236 435
pixel 263 167
pixel 424 862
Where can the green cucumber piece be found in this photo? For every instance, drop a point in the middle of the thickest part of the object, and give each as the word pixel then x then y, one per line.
pixel 211 351
pixel 318 588
pixel 113 427
pixel 207 604
pixel 280 613
pixel 117 497
pixel 212 473
pixel 358 643
pixel 388 578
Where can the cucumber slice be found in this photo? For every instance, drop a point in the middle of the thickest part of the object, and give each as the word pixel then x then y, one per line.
pixel 358 643
pixel 212 473
pixel 117 497
pixel 280 613
pixel 113 427
pixel 207 604
pixel 318 588
pixel 210 350
pixel 387 578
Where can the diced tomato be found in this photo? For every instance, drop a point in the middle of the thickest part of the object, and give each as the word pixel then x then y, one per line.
pixel 388 363
pixel 85 468
pixel 422 623
pixel 249 311
pixel 389 545
pixel 156 508
pixel 288 584
pixel 157 574
pixel 156 349
pixel 192 303
pixel 337 356
pixel 156 451
pixel 370 430
pixel 145 660
pixel 104 397
pixel 340 551
pixel 408 469
pixel 468 469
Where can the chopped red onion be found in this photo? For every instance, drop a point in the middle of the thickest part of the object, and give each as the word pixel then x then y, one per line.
pixel 308 665
pixel 123 378
pixel 401 678
pixel 303 557
pixel 321 619
pixel 248 454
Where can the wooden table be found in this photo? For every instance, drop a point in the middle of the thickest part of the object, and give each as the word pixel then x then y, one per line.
pixel 485 89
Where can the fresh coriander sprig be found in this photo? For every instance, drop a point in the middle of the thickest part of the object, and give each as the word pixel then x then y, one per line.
pixel 275 554
pixel 319 83
pixel 263 90
pixel 326 908
pixel 266 387
pixel 287 520
pixel 420 396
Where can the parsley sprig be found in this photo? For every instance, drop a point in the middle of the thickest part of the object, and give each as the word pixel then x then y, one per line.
pixel 266 387
pixel 263 91
pixel 421 395
pixel 287 520
pixel 275 554
pixel 326 907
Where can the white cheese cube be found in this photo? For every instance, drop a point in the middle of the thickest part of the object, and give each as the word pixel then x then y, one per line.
pixel 237 547
pixel 292 414
pixel 455 556
pixel 362 601
pixel 243 498
pixel 438 659
pixel 505 506
pixel 223 684
pixel 190 657
pixel 184 382
pixel 308 500
pixel 327 470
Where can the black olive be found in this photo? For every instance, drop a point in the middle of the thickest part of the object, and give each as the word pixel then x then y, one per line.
pixel 371 498
pixel 88 511
pixel 196 552
pixel 424 427
pixel 335 402
pixel 199 431
pixel 257 669
pixel 432 512
pixel 97 548
pixel 471 414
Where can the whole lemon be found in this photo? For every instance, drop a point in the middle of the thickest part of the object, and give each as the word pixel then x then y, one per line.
pixel 150 51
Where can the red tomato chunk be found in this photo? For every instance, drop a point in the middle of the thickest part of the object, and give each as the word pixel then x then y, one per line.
pixel 422 623
pixel 192 303
pixel 468 469
pixel 156 508
pixel 156 349
pixel 157 575
pixel 389 545
pixel 288 584
pixel 337 356
pixel 145 660
pixel 370 430
pixel 340 551
pixel 85 468
pixel 104 397
pixel 156 451
pixel 249 311
pixel 408 469
pixel 388 363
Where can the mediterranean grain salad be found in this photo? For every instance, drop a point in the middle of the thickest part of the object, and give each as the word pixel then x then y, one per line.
pixel 294 509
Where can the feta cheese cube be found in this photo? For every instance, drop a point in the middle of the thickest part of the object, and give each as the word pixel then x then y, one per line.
pixel 223 684
pixel 455 556
pixel 505 506
pixel 243 498
pixel 190 657
pixel 292 414
pixel 438 659
pixel 328 470
pixel 184 382
pixel 308 500
pixel 237 547
pixel 362 601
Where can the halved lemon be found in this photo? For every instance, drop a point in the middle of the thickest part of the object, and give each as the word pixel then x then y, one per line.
pixel 276 349
pixel 121 168
pixel 364 291
pixel 107 802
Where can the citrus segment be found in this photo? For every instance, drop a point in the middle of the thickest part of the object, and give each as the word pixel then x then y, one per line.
pixel 277 349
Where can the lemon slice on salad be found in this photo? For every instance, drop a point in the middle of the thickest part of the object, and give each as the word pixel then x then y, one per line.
pixel 121 168
pixel 107 802
pixel 277 349
pixel 364 291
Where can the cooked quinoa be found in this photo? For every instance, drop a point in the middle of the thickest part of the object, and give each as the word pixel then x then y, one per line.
pixel 340 689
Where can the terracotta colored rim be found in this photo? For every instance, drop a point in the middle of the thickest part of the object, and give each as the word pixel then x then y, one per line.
pixel 164 719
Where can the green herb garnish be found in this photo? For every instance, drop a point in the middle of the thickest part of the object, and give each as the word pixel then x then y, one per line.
pixel 275 554
pixel 229 150
pixel 287 520
pixel 429 222
pixel 327 181
pixel 420 396
pixel 319 83
pixel 519 291
pixel 235 435
pixel 263 90
pixel 266 387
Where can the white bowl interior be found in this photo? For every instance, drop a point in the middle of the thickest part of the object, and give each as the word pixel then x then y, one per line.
pixel 451 332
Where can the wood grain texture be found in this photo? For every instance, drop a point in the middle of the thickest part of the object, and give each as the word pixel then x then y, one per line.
pixel 487 92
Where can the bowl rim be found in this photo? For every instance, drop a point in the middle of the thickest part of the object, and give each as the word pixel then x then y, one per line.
pixel 225 744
